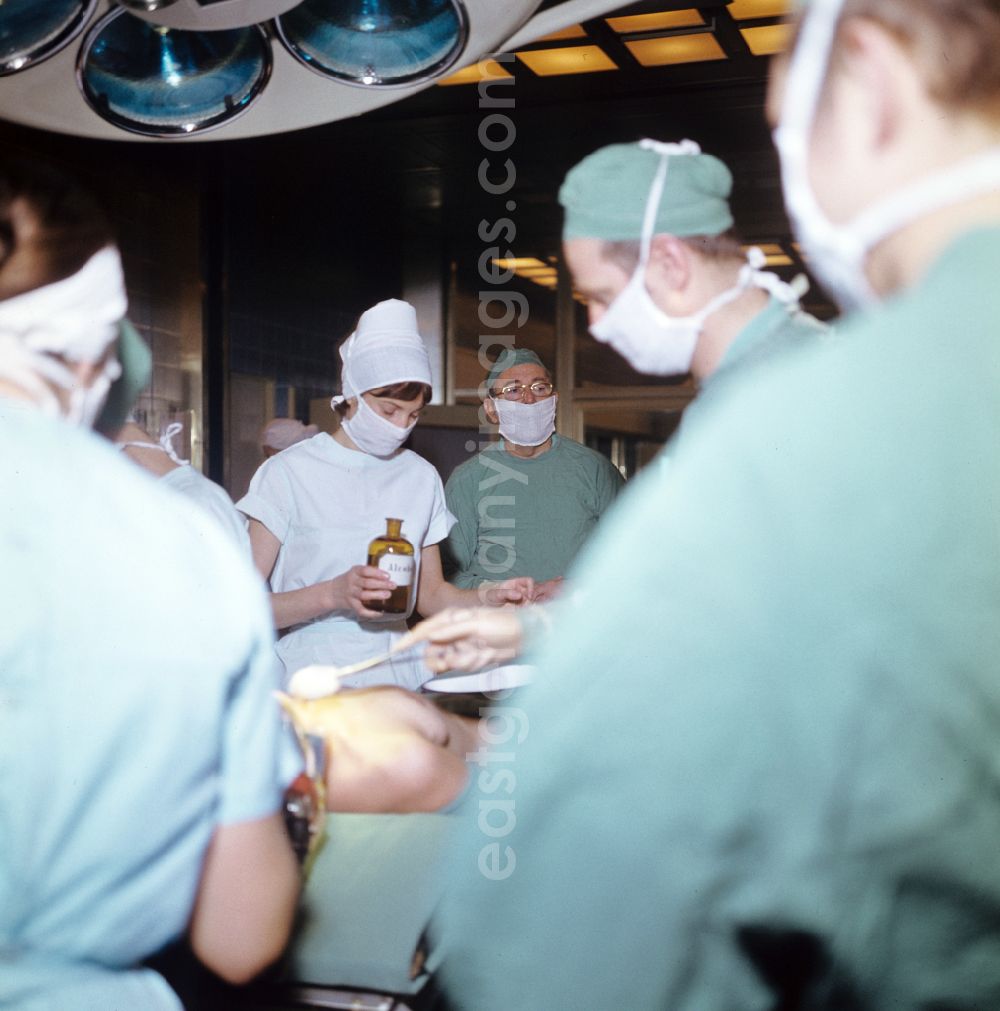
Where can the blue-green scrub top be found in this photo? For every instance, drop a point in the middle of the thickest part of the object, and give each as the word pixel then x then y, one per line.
pixel 777 329
pixel 767 744
pixel 136 671
pixel 520 517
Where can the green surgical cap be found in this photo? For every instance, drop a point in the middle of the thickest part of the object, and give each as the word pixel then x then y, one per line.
pixel 137 368
pixel 605 195
pixel 508 359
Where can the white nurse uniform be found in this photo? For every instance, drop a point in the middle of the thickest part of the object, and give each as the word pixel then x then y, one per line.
pixel 325 503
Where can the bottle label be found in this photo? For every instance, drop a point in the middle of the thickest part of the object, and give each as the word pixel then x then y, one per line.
pixel 399 568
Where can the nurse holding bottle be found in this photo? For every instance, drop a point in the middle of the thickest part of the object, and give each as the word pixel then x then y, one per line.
pixel 314 509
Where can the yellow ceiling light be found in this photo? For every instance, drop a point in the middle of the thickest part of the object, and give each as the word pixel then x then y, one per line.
pixel 676 49
pixel 766 40
pixel 774 255
pixel 572 32
pixel 531 269
pixel 484 70
pixel 567 60
pixel 517 263
pixel 656 22
pixel 743 10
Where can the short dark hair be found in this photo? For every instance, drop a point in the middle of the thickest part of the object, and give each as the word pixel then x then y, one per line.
pixel 403 391
pixel 49 226
pixel 395 391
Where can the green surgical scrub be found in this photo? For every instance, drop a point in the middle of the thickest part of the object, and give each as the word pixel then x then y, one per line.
pixel 764 745
pixel 521 517
pixel 778 329
pixel 774 330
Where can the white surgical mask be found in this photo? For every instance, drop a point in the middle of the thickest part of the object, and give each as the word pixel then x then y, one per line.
pixel 372 433
pixel 649 339
pixel 837 253
pixel 527 424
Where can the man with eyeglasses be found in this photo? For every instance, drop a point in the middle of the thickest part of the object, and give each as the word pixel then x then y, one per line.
pixel 526 503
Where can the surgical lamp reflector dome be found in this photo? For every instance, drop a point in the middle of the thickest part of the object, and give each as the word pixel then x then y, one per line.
pixel 31 31
pixel 376 43
pixel 163 82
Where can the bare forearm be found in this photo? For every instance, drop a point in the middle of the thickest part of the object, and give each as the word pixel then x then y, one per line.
pixel 296 606
pixel 431 600
pixel 246 899
pixel 438 597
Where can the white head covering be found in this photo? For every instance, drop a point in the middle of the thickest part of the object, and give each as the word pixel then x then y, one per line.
pixel 386 348
pixel 284 432
pixel 76 318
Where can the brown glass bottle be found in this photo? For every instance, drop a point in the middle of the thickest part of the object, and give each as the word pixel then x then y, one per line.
pixel 394 555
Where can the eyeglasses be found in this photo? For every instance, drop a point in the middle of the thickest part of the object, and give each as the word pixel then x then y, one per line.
pixel 515 391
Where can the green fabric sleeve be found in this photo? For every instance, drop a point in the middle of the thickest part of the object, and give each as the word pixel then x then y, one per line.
pixel 781 719
pixel 458 549
pixel 609 483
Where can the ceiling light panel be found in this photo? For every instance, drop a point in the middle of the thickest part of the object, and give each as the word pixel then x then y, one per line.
pixel 531 269
pixel 766 40
pixel 484 70
pixel 516 263
pixel 567 60
pixel 744 10
pixel 656 22
pixel 572 32
pixel 697 48
pixel 774 254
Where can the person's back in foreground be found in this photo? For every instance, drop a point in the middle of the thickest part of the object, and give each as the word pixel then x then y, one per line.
pixel 137 727
pixel 792 799
pixel 142 753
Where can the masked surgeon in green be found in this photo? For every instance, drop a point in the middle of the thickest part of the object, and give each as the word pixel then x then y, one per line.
pixel 760 770
pixel 649 240
pixel 526 504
